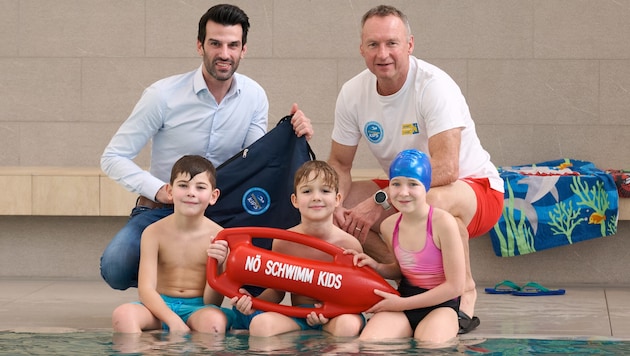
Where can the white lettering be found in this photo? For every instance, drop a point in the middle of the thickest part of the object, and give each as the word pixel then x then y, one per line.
pixel 287 271
pixel 329 280
pixel 252 263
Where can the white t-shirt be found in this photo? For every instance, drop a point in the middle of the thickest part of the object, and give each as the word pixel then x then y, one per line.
pixel 429 102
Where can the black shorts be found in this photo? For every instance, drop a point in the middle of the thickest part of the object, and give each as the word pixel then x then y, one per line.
pixel 415 316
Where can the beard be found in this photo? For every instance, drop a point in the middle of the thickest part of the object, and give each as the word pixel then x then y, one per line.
pixel 219 74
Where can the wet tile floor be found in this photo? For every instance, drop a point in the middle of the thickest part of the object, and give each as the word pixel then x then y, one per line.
pixel 33 305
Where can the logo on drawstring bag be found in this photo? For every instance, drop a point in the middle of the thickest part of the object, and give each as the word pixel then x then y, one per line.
pixel 256 201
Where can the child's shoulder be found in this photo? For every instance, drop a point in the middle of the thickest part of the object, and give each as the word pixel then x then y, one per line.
pixel 443 221
pixel 441 214
pixel 390 221
pixel 345 240
pixel 158 226
pixel 211 224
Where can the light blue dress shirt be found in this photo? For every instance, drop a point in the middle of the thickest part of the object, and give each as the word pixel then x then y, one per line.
pixel 181 117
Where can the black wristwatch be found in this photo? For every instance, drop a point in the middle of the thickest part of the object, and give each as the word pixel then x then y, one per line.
pixel 381 199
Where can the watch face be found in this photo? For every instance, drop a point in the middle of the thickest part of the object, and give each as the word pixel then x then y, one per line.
pixel 380 197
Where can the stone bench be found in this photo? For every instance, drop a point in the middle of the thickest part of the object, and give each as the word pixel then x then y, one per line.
pixel 87 191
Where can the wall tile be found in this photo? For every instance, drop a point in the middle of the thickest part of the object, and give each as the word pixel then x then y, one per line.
pixel 9 144
pixel 348 68
pixel 172 27
pixel 40 90
pixel 317 29
pixel 615 92
pixel 64 98
pixel 70 196
pixel 581 29
pixel 513 144
pixel 77 28
pixel 17 199
pixel 114 199
pixel 111 87
pixel 62 144
pixel 510 145
pixel 9 28
pixel 472 29
pixel 304 82
pixel 534 92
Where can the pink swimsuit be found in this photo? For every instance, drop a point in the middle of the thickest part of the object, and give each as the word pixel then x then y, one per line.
pixel 422 268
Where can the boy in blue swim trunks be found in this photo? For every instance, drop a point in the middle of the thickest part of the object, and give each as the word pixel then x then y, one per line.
pixel 172 287
pixel 316 195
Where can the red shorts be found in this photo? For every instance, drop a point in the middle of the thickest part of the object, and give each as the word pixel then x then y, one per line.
pixel 489 205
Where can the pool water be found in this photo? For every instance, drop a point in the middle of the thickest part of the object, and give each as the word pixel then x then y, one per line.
pixel 158 343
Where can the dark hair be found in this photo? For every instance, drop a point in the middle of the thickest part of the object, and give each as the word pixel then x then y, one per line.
pixel 226 15
pixel 193 165
pixel 384 11
pixel 331 177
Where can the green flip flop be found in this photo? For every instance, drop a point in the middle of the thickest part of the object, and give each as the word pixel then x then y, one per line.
pixel 532 289
pixel 504 287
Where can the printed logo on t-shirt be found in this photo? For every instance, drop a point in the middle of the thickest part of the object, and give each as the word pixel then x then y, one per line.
pixel 256 201
pixel 410 129
pixel 373 132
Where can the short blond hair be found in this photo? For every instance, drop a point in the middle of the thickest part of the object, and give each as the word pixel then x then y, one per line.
pixel 320 168
pixel 384 11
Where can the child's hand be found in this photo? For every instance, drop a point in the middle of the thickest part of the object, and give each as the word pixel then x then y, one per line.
pixel 178 327
pixel 218 250
pixel 243 303
pixel 361 259
pixel 313 319
pixel 390 302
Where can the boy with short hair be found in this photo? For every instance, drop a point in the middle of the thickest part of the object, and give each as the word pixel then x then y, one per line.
pixel 316 195
pixel 174 293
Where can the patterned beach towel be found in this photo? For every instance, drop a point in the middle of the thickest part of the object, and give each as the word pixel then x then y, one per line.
pixel 554 203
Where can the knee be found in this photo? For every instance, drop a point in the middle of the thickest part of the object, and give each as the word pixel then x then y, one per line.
pixel 470 284
pixel 117 277
pixel 262 325
pixel 119 285
pixel 347 325
pixel 438 199
pixel 119 271
pixel 211 321
pixel 268 324
pixel 123 320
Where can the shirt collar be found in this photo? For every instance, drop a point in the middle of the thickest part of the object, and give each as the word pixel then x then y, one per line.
pixel 199 83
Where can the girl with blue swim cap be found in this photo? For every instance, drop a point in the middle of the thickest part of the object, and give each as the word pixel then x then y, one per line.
pixel 429 261
pixel 412 164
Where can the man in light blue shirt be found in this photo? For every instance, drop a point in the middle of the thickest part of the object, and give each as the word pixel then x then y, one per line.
pixel 211 111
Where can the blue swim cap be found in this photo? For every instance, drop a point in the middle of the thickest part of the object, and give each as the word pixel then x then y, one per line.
pixel 412 164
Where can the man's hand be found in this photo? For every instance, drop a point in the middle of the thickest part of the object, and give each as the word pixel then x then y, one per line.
pixel 360 219
pixel 301 124
pixel 162 196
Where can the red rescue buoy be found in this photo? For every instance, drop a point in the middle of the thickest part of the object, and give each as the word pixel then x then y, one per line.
pixel 339 285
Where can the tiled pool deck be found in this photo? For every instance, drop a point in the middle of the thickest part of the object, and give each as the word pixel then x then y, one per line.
pixel 39 305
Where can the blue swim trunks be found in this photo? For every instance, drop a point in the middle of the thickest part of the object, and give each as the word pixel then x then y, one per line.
pixel 242 321
pixel 185 307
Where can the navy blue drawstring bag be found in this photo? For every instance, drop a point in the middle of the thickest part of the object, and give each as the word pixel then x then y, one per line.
pixel 256 183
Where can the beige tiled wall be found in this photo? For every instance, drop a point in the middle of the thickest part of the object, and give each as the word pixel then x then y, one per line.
pixel 62 191
pixel 545 79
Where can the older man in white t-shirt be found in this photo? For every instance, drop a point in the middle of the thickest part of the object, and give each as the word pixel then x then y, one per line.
pixel 398 103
